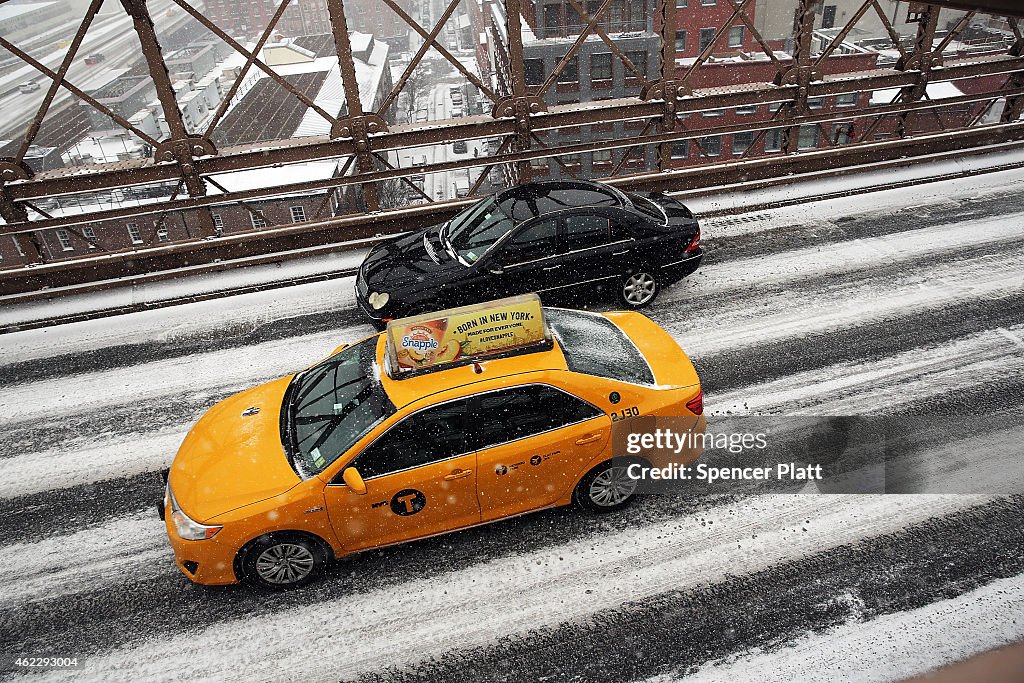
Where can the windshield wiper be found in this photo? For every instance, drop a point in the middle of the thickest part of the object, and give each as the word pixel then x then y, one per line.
pixel 446 243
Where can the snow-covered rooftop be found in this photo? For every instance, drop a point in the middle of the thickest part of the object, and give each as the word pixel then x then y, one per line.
pixel 935 91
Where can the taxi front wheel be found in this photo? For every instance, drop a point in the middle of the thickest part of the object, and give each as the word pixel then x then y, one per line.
pixel 282 560
pixel 605 488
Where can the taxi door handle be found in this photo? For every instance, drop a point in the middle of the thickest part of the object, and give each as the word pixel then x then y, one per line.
pixel 457 474
pixel 621 253
pixel 589 438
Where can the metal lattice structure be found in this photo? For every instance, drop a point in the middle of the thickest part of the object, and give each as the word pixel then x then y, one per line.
pixel 665 112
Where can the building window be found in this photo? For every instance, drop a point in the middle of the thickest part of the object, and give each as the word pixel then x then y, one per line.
pixel 808 138
pixel 298 214
pixel 842 134
pixel 258 219
pixel 707 36
pixel 736 36
pixel 539 164
pixel 713 112
pixel 680 149
pixel 680 4
pixel 552 20
pixel 815 102
pixel 711 146
pixel 571 72
pixel 680 41
pixel 573 20
pixel 773 140
pixel 133 232
pixel 846 99
pixel 615 15
pixel 534 69
pixel 603 156
pixel 601 66
pixel 741 141
pixel 162 235
pixel 828 16
pixel 570 159
pixel 218 222
pixel 89 234
pixel 749 109
pixel 708 3
pixel 65 240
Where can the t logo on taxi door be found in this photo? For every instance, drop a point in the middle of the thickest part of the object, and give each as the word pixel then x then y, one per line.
pixel 408 502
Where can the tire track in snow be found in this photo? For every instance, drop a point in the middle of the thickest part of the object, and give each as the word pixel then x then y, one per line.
pixel 481 605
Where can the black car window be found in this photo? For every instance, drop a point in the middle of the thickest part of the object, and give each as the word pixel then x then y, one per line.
pixel 649 209
pixel 536 199
pixel 512 414
pixel 531 243
pixel 472 232
pixel 594 345
pixel 427 436
pixel 585 231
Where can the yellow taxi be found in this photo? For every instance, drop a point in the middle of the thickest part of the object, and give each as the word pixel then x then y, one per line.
pixel 443 421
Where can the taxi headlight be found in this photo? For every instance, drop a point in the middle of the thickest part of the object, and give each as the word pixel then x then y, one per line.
pixel 378 300
pixel 189 529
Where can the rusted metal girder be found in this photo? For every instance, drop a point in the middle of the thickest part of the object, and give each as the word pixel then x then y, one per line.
pixel 70 181
pixel 183 148
pixel 923 59
pixel 513 157
pixel 353 228
pixel 801 74
pixel 519 120
pixel 520 105
pixel 358 125
pixel 666 88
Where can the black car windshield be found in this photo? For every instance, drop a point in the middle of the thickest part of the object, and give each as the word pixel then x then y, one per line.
pixel 331 406
pixel 471 233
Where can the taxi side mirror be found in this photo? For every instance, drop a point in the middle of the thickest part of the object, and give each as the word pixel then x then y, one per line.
pixel 352 479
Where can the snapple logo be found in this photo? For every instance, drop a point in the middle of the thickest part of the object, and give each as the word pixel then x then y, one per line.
pixel 419 344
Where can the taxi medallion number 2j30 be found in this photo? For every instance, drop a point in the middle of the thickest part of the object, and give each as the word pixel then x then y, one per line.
pixel 625 413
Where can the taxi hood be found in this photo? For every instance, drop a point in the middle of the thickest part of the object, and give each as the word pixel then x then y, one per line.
pixel 233 456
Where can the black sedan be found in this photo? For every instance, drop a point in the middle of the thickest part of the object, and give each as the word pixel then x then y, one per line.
pixel 547 237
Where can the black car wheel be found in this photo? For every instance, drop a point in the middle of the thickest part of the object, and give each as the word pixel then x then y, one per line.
pixel 606 488
pixel 638 289
pixel 282 560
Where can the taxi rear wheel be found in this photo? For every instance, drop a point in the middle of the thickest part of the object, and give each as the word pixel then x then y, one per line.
pixel 282 560
pixel 606 488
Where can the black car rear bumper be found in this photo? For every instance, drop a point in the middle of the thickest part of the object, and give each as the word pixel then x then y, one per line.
pixel 677 270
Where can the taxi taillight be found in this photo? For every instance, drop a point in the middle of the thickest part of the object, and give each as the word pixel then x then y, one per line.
pixel 696 404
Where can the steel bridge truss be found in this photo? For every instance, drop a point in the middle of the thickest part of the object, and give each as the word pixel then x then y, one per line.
pixel 360 140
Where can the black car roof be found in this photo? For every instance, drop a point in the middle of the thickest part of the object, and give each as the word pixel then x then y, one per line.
pixel 528 201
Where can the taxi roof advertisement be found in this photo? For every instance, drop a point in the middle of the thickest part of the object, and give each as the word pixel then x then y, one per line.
pixel 460 335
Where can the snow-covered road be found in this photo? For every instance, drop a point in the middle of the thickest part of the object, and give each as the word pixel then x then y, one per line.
pixel 814 309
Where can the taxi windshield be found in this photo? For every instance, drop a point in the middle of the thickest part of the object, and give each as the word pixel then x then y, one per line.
pixel 471 233
pixel 331 406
